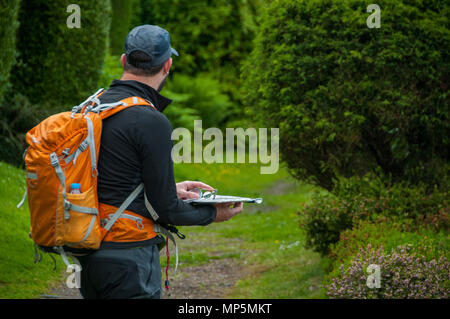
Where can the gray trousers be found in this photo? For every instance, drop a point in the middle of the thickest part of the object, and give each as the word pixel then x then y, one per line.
pixel 121 273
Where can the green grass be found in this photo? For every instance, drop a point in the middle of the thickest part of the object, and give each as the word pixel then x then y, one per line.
pixel 266 239
pixel 19 276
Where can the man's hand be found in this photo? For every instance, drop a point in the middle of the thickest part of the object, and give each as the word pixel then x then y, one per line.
pixel 226 211
pixel 184 189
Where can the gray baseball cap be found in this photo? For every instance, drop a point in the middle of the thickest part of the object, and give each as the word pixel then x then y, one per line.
pixel 152 40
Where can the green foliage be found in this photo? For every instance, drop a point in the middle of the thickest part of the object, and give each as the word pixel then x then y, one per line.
pixel 120 24
pixel 193 98
pixel 8 18
pixel 112 69
pixel 388 235
pixel 323 220
pixel 211 36
pixel 207 34
pixel 178 112
pixel 17 116
pixel 369 199
pixel 124 14
pixel 197 97
pixel 349 99
pixel 57 66
pixel 60 66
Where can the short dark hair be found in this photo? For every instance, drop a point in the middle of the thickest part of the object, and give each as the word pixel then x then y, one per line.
pixel 137 63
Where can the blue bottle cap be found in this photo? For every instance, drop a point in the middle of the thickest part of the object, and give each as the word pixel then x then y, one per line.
pixel 75 186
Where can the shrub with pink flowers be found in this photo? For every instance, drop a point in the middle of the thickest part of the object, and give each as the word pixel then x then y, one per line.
pixel 424 241
pixel 403 274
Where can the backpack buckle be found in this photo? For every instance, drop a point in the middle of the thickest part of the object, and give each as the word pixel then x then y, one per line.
pixel 54 160
pixel 67 205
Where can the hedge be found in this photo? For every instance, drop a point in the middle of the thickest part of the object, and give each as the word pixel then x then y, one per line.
pixel 124 17
pixel 349 99
pixel 59 66
pixel 359 199
pixel 8 18
pixel 211 36
pixel 207 34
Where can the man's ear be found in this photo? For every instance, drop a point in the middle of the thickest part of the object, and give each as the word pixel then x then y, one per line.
pixel 167 66
pixel 123 59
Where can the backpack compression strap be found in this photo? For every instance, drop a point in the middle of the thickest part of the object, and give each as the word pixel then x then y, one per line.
pixel 92 104
pixel 106 110
pixel 157 227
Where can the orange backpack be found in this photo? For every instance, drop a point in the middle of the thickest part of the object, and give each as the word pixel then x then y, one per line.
pixel 63 149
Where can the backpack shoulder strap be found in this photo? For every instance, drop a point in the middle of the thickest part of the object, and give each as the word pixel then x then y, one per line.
pixel 107 110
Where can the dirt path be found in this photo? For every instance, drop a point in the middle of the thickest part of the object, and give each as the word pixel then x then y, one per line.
pixel 206 270
pixel 213 279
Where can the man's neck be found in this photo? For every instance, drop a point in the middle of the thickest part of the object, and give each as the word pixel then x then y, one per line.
pixel 153 81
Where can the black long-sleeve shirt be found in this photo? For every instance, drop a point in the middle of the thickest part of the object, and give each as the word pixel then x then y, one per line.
pixel 136 147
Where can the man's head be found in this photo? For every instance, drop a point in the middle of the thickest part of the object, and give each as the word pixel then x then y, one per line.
pixel 147 55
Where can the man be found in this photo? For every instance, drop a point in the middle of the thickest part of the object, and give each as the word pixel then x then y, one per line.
pixel 136 147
